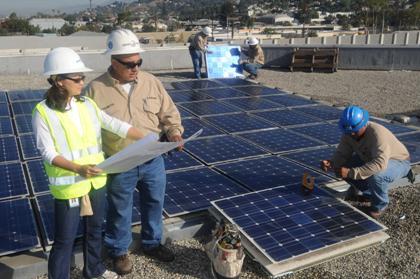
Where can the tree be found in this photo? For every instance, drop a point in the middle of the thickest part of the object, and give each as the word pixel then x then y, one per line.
pixel 67 30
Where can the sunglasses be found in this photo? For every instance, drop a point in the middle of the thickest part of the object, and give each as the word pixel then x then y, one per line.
pixel 130 65
pixel 76 80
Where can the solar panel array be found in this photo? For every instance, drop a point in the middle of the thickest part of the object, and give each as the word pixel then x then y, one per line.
pixel 254 138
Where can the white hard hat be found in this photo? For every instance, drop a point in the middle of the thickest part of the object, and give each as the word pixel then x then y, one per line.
pixel 122 41
pixel 206 30
pixel 252 41
pixel 63 60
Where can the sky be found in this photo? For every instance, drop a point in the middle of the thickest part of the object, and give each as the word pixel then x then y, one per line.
pixel 31 7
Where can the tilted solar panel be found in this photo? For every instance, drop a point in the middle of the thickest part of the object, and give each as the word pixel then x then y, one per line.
pixel 26 95
pixel 209 108
pixel 223 93
pixel 412 142
pixel 289 100
pixel 323 112
pixel 240 122
pixel 24 123
pixel 395 128
pixel 3 98
pixel 328 133
pixel 252 103
pixel 4 110
pixel 180 160
pixel 234 82
pixel 188 96
pixel 312 158
pixel 8 149
pixel 12 181
pixel 37 176
pixel 23 107
pixel 5 126
pixel 196 84
pixel 29 149
pixel 194 124
pixel 286 117
pixel 260 90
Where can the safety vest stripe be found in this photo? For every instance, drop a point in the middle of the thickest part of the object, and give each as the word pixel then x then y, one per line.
pixel 65 180
pixel 77 154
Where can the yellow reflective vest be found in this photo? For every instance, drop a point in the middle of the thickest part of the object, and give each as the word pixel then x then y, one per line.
pixel 81 149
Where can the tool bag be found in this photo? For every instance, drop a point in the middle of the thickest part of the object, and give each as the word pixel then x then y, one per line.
pixel 225 252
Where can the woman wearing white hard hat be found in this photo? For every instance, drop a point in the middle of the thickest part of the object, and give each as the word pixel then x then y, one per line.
pixel 198 46
pixel 252 58
pixel 67 128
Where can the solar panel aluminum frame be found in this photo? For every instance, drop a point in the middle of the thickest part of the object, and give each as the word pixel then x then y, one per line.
pixel 298 258
pixel 276 270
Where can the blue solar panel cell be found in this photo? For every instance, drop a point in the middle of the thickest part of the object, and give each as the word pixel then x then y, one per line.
pixel 46 210
pixel 3 98
pixel 260 90
pixel 37 176
pixel 29 149
pixel 180 160
pixel 286 117
pixel 8 149
pixel 5 126
pixel 234 82
pixel 171 86
pixel 193 190
pixel 4 110
pixel 223 93
pixel 395 128
pixel 238 122
pixel 322 112
pixel 222 61
pixel 26 95
pixel 289 100
pixel 24 123
pixel 188 96
pixel 328 133
pixel 282 230
pixel 312 158
pixel 23 107
pixel 17 227
pixel 209 108
pixel 12 181
pixel 263 173
pixel 223 148
pixel 184 113
pixel 196 84
pixel 251 103
pixel 280 140
pixel 412 142
pixel 193 125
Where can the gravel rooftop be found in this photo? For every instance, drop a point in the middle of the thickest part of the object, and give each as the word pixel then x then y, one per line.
pixel 382 93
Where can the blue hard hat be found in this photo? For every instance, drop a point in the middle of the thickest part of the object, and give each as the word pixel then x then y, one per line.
pixel 353 119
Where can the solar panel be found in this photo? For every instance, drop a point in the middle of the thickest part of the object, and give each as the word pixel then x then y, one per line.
pixel 24 123
pixel 312 158
pixel 222 61
pixel 395 128
pixel 3 98
pixel 283 222
pixel 46 210
pixel 17 227
pixel 268 172
pixel 196 84
pixel 209 108
pixel 28 143
pixel 180 160
pixel 5 126
pixel 328 133
pixel 24 107
pixel 184 113
pixel 12 181
pixel 26 95
pixel 223 93
pixel 251 103
pixel 260 90
pixel 280 140
pixel 8 149
pixel 171 85
pixel 286 117
pixel 238 122
pixel 193 125
pixel 193 190
pixel 412 142
pixel 4 110
pixel 37 176
pixel 323 112
pixel 234 81
pixel 188 96
pixel 289 100
pixel 223 148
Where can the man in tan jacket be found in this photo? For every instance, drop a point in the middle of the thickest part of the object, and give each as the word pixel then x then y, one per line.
pixel 252 58
pixel 369 157
pixel 197 48
pixel 140 99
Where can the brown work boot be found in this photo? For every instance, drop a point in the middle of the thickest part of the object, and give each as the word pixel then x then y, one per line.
pixel 122 264
pixel 160 253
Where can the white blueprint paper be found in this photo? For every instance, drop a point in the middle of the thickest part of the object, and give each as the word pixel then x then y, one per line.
pixel 139 152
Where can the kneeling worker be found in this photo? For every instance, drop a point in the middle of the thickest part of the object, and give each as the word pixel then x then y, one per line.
pixel 369 157
pixel 253 58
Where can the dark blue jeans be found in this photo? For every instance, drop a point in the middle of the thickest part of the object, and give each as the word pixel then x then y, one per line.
pixel 251 68
pixel 66 223
pixel 151 178
pixel 376 186
pixel 197 60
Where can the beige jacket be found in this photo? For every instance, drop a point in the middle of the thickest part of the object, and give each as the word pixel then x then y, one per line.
pixel 377 146
pixel 199 42
pixel 255 55
pixel 147 107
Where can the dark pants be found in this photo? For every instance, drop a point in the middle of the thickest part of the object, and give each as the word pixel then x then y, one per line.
pixel 66 222
pixel 251 68
pixel 197 60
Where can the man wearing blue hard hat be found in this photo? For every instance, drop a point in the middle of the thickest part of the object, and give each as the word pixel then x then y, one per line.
pixel 369 157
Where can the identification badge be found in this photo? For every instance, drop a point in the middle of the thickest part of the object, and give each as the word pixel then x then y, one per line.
pixel 74 202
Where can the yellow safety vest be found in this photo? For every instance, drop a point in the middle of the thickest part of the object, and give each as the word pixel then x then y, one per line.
pixel 81 149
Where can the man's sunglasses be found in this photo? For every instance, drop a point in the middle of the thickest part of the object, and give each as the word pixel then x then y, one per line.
pixel 130 65
pixel 76 79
